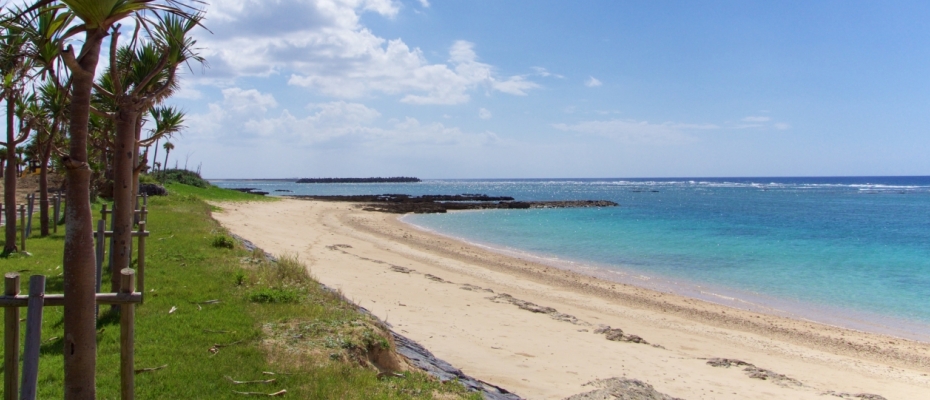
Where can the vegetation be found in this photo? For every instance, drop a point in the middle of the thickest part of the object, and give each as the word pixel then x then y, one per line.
pixel 183 176
pixel 198 331
pixel 237 315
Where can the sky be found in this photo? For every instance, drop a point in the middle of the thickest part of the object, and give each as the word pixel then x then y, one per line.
pixel 557 89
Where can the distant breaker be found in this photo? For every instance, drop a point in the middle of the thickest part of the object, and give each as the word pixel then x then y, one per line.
pixel 396 179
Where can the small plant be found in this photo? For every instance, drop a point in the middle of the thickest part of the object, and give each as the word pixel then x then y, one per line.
pixel 223 241
pixel 240 278
pixel 272 295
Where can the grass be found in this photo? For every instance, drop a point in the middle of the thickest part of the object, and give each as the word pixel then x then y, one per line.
pixel 237 315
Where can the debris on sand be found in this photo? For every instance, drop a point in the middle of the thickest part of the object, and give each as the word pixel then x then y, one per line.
pixel 621 389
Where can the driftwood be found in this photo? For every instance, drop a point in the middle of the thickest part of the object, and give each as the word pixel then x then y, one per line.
pixel 275 394
pixel 263 381
pixel 141 370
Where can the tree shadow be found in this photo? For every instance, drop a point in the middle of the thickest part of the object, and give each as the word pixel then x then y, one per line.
pixel 56 346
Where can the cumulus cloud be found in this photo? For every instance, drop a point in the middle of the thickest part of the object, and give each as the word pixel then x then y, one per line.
pixel 638 131
pixel 483 113
pixel 322 45
pixel 592 82
pixel 246 116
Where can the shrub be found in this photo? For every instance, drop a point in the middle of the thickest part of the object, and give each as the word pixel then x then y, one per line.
pixel 223 241
pixel 273 295
pixel 183 176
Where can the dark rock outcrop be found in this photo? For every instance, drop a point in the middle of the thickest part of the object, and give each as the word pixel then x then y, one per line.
pixel 250 191
pixel 426 204
pixel 396 179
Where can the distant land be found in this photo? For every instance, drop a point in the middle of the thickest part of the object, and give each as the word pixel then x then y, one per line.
pixel 396 179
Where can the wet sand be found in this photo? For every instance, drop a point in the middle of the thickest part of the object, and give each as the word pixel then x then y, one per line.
pixel 541 332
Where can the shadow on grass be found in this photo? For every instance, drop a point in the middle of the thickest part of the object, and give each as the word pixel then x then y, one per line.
pixel 107 318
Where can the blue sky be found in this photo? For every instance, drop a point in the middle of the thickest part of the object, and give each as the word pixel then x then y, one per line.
pixel 533 89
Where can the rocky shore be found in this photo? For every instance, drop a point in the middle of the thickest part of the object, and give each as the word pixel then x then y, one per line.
pixel 427 204
pixel 394 179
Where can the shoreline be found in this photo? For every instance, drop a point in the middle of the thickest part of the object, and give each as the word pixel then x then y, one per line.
pixel 829 315
pixel 494 322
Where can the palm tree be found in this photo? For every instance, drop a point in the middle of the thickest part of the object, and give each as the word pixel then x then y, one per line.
pixel 168 147
pixel 47 113
pixel 140 75
pixel 168 121
pixel 97 18
pixel 15 65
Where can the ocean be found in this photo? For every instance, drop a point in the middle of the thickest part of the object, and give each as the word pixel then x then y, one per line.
pixel 847 251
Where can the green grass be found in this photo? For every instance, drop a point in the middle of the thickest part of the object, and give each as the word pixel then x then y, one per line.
pixel 318 346
pixel 212 193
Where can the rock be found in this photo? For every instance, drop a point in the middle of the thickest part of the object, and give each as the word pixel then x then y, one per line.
pixel 152 189
pixel 621 389
pixel 727 362
pixel 403 270
pixel 436 278
pixel 768 375
pixel 634 339
pixel 615 335
pixel 402 203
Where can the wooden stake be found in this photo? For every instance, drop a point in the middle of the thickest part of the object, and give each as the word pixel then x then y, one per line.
pixel 22 227
pixel 56 205
pixel 127 337
pixel 100 240
pixel 30 206
pixel 33 338
pixel 11 340
pixel 140 262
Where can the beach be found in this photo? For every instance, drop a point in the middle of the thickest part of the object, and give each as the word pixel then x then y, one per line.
pixel 531 328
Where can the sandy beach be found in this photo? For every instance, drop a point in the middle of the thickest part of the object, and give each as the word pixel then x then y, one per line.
pixel 540 331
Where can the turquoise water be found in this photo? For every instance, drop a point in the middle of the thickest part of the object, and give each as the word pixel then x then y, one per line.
pixel 848 251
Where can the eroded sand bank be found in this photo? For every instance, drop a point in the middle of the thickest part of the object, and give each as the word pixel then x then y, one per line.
pixel 531 328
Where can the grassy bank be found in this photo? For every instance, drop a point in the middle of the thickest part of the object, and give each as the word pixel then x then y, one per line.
pixel 215 313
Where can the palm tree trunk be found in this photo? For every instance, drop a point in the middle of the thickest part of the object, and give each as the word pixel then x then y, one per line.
pixel 9 178
pixel 155 158
pixel 80 339
pixel 164 168
pixel 136 162
pixel 123 207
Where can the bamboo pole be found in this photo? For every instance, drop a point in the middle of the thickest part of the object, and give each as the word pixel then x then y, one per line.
pixel 127 337
pixel 33 338
pixel 58 300
pixel 11 339
pixel 140 262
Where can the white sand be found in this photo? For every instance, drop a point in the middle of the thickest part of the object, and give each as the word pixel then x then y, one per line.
pixel 541 357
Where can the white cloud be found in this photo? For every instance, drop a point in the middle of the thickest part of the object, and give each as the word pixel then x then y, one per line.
pixel 638 131
pixel 323 46
pixel 424 3
pixel 545 73
pixel 782 126
pixel 245 116
pixel 247 101
pixel 756 119
pixel 483 113
pixel 592 82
